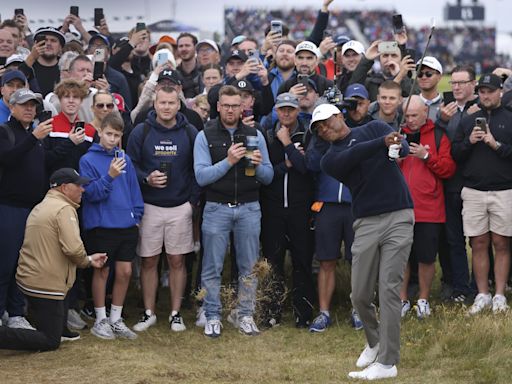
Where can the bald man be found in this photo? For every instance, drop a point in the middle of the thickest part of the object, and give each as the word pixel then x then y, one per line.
pixel 428 163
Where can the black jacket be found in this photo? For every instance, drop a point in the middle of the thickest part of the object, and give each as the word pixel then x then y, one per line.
pixel 322 83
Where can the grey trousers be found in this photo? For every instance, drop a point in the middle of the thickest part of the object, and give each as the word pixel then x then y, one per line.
pixel 380 252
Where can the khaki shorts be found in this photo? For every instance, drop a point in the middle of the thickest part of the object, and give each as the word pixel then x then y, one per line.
pixel 170 226
pixel 486 211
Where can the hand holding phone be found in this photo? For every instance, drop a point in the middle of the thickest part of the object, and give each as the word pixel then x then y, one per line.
pixel 481 123
pixel 73 10
pixel 98 16
pixel 398 24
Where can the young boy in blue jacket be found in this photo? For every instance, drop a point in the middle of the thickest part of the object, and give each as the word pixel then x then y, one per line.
pixel 112 208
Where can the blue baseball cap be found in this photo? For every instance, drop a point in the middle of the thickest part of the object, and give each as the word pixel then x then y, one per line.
pixel 99 36
pixel 357 90
pixel 11 75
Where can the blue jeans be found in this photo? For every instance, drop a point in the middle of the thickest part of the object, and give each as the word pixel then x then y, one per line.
pixel 12 230
pixel 218 221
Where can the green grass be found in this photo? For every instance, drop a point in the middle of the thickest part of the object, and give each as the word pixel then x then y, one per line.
pixel 447 348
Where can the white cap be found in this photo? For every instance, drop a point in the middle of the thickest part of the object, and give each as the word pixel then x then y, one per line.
pixel 353 45
pixel 431 62
pixel 323 112
pixel 209 42
pixel 16 58
pixel 308 46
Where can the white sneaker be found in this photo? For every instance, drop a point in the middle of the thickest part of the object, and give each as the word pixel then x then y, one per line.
pixel 176 322
pixel 406 307
pixel 233 318
pixel 103 330
pixel 19 322
pixel 248 327
pixel 201 317
pixel 212 328
pixel 422 309
pixel 147 320
pixel 120 329
pixel 75 321
pixel 499 304
pixel 375 371
pixel 368 356
pixel 482 301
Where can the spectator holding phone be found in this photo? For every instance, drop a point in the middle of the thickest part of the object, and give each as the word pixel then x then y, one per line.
pixel 46 67
pixel 483 148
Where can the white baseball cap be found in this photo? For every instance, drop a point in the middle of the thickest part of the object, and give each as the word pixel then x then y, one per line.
pixel 307 46
pixel 353 45
pixel 431 62
pixel 323 112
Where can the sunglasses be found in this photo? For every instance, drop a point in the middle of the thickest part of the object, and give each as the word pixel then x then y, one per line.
pixel 427 74
pixel 102 105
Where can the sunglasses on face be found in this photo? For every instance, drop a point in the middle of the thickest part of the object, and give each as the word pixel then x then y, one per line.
pixel 428 74
pixel 102 106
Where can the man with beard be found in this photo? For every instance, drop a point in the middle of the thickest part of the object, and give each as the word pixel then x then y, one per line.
pixel 283 66
pixel 188 67
pixel 46 68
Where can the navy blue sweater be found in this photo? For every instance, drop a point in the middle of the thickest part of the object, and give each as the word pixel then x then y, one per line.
pixel 169 145
pixel 361 162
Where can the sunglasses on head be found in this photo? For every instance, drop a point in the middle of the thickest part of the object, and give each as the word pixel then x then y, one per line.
pixel 427 74
pixel 102 105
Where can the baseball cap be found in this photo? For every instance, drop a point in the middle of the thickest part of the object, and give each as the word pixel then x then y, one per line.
pixel 209 42
pixel 357 90
pixel 21 96
pixel 164 39
pixel 354 45
pixel 237 54
pixel 323 112
pixel 119 102
pixel 431 62
pixel 287 100
pixel 244 85
pixel 102 38
pixel 51 31
pixel 121 42
pixel 15 58
pixel 67 176
pixel 238 39
pixel 341 40
pixel 169 74
pixel 307 46
pixel 11 75
pixel 489 80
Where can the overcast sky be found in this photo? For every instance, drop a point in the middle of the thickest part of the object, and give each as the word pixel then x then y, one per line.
pixel 208 14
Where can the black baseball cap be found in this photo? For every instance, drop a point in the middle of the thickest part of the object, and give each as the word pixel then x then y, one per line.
pixel 67 176
pixel 169 74
pixel 237 54
pixel 244 85
pixel 491 81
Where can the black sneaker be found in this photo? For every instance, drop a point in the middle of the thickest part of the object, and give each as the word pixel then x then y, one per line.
pixel 302 323
pixel 68 335
pixel 88 311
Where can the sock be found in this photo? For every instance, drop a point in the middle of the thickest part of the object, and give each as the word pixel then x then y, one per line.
pixel 115 313
pixel 326 313
pixel 100 314
pixel 174 313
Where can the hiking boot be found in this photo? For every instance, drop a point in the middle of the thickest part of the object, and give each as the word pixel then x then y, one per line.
pixel 75 321
pixel 368 356
pixel 120 329
pixel 320 324
pixel 499 304
pixel 422 309
pixel 482 301
pixel 103 330
pixel 248 327
pixel 176 323
pixel 19 322
pixel 406 307
pixel 212 328
pixel 357 324
pixel 147 320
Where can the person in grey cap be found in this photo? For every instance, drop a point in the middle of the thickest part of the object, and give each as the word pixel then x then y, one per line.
pixel 46 67
pixel 23 184
pixel 51 251
pixel 285 208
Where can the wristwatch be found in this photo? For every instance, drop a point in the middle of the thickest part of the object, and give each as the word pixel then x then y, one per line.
pixel 89 258
pixel 145 181
pixel 498 145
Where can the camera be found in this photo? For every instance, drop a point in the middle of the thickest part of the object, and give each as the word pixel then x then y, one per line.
pixel 334 96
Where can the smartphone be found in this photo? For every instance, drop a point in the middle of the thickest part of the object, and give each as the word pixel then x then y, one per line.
pixel 165 167
pixel 98 16
pixel 247 112
pixel 239 138
pixel 162 58
pixel 79 126
pixel 99 55
pixel 481 123
pixel 140 27
pixel 40 37
pixel 98 70
pixel 73 10
pixel 45 115
pixel 18 11
pixel 303 79
pixel 119 153
pixel 276 26
pixel 413 137
pixel 411 52
pixel 398 24
pixel 253 55
pixel 388 47
pixel 448 97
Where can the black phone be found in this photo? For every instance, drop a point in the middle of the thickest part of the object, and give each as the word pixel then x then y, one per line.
pixel 40 37
pixel 239 138
pixel 79 126
pixel 398 24
pixel 140 27
pixel 247 113
pixel 73 10
pixel 45 115
pixel 413 137
pixel 412 53
pixel 448 97
pixel 98 16
pixel 18 11
pixel 98 70
pixel 165 167
pixel 481 122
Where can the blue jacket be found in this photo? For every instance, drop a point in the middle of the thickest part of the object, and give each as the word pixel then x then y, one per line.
pixel 108 202
pixel 5 112
pixel 173 146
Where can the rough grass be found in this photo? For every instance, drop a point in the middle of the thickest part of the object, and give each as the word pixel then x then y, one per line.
pixel 447 348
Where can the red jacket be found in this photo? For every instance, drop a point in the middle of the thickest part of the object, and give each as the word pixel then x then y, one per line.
pixel 424 177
